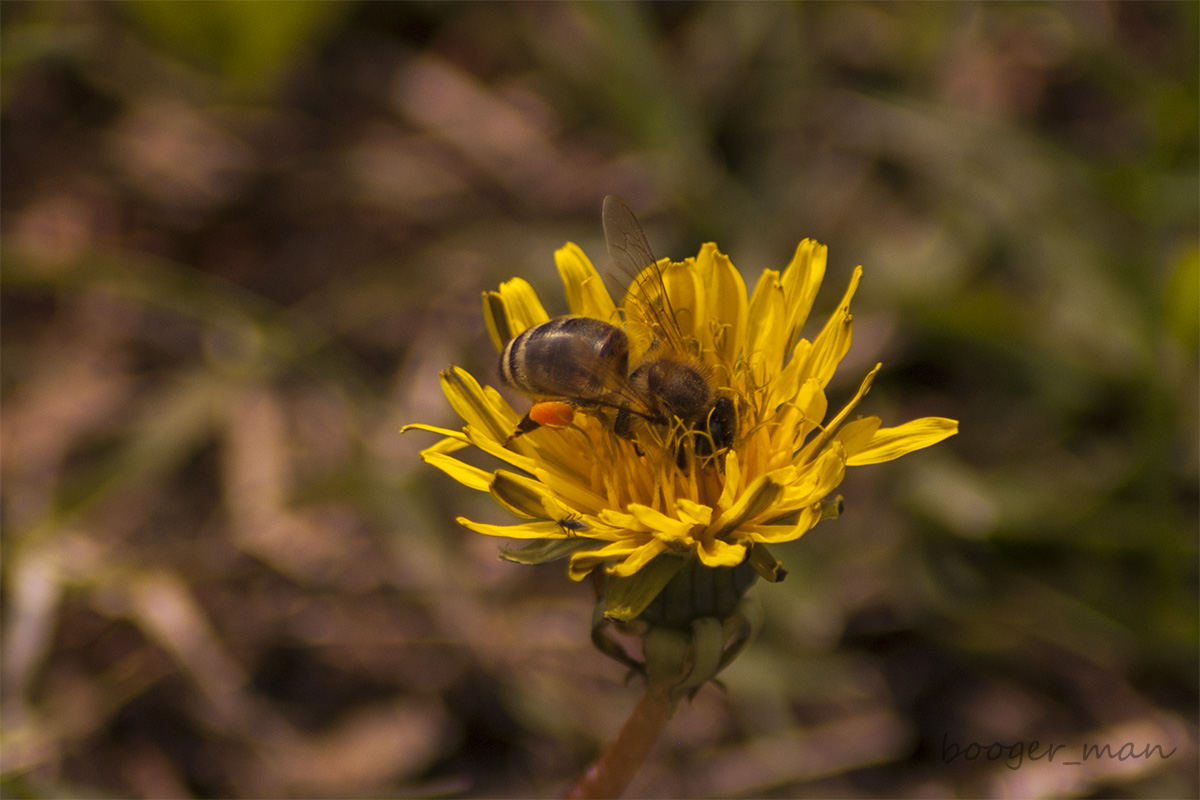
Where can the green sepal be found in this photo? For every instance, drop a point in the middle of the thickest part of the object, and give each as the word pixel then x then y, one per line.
pixel 708 644
pixel 609 646
pixel 766 564
pixel 684 660
pixel 540 551
pixel 625 598
pixel 699 591
pixel 669 658
pixel 741 628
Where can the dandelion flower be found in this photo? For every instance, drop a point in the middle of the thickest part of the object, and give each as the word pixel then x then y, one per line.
pixel 627 503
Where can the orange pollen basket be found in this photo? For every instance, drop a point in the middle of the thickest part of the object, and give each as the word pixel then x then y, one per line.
pixel 552 413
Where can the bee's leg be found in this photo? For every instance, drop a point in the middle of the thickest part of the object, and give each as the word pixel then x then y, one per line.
pixel 551 413
pixel 720 428
pixel 623 424
pixel 701 442
pixel 526 425
pixel 623 427
pixel 718 433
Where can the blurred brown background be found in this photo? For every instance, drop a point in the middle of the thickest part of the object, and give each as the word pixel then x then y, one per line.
pixel 240 240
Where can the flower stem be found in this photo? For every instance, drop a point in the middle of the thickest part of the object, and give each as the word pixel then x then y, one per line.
pixel 612 772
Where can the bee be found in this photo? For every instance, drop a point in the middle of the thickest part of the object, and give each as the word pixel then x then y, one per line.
pixel 574 362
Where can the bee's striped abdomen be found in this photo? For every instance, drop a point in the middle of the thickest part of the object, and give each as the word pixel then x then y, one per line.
pixel 578 358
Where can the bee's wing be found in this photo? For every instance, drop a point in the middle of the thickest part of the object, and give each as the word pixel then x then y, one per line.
pixel 627 245
pixel 632 256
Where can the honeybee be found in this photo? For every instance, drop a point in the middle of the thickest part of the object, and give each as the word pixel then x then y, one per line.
pixel 571 361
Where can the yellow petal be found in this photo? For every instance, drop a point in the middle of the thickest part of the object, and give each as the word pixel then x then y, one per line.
pixel 489 445
pixel 787 384
pixel 727 307
pixel 687 302
pixel 819 442
pixel 639 558
pixel 617 519
pixel 812 405
pixel 889 443
pixel 522 305
pixel 801 279
pixel 757 500
pixel 733 481
pixel 448 445
pixel 772 534
pixel 693 512
pixel 856 434
pixel 572 489
pixel 765 336
pixel 521 495
pixel 834 340
pixel 467 475
pixel 417 426
pixel 487 414
pixel 526 530
pixel 496 320
pixel 820 478
pixel 718 553
pixel 797 419
pixel 659 523
pixel 584 561
pixel 586 293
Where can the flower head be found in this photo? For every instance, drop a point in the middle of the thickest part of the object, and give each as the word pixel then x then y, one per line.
pixel 639 493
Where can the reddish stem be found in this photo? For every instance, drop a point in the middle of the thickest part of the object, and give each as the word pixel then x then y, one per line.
pixel 612 772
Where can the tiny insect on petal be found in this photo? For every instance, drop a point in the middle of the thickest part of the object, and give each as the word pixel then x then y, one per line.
pixel 552 413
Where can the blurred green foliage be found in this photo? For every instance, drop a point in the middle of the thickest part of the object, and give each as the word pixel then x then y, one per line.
pixel 244 42
pixel 241 239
